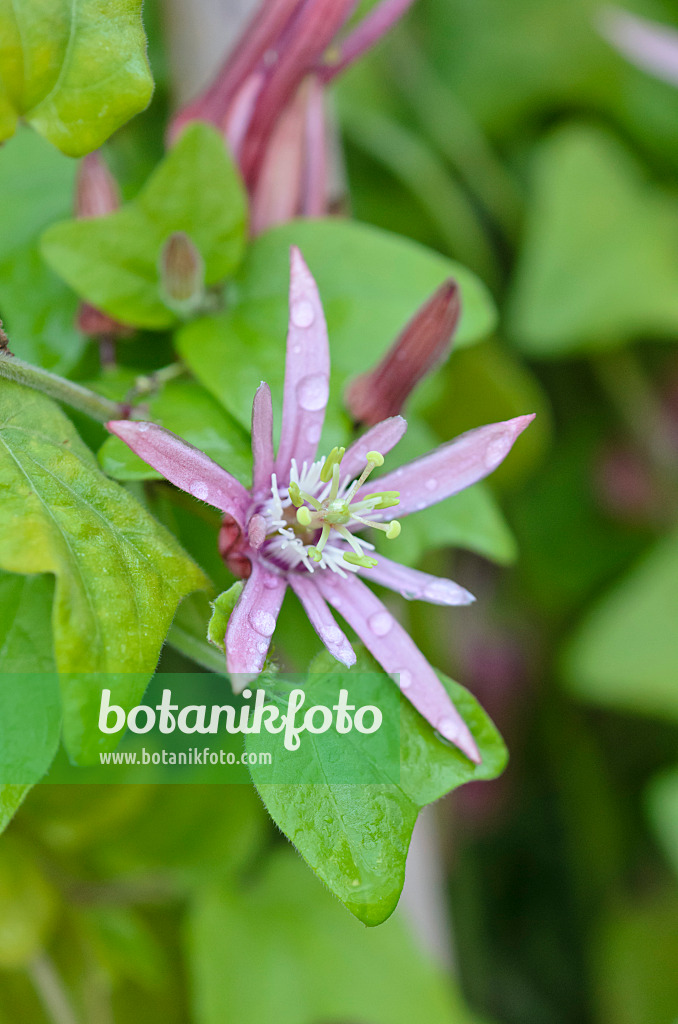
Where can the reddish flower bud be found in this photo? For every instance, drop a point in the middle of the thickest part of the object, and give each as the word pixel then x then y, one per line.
pixel 96 190
pixel 422 345
pixel 96 195
pixel 182 274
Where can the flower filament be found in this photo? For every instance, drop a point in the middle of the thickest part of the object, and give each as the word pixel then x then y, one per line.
pixel 338 511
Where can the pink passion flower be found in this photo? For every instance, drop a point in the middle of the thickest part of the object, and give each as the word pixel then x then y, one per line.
pixel 296 526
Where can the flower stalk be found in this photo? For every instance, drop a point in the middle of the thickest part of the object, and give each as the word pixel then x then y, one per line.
pixel 78 397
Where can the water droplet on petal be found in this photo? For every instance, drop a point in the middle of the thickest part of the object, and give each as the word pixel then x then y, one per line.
pixel 199 489
pixel 495 452
pixel 431 484
pixel 271 582
pixel 332 634
pixel 380 623
pixel 450 730
pixel 313 433
pixel 263 622
pixel 405 678
pixel 302 314
pixel 143 427
pixel 313 392
pixel 296 349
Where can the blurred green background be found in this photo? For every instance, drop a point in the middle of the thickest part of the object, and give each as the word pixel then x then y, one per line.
pixel 511 137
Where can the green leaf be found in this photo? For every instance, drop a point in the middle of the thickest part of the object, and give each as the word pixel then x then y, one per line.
pixel 25 647
pixel 370 283
pixel 598 266
pixel 113 262
pixel 221 613
pixel 318 963
pixel 625 655
pixel 37 308
pixel 119 574
pixel 30 725
pixel 356 836
pixel 186 408
pixel 11 798
pixel 75 71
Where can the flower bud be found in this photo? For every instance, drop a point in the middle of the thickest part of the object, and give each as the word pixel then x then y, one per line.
pixel 96 190
pixel 182 274
pixel 423 344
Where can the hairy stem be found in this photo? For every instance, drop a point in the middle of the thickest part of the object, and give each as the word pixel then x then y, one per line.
pixel 78 397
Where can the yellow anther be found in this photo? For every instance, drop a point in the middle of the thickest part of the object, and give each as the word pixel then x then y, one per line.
pixel 364 561
pixel 295 494
pixel 304 516
pixel 383 499
pixel 393 530
pixel 315 554
pixel 332 460
pixel 376 458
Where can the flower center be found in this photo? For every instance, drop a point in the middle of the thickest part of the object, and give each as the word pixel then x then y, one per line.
pixel 311 523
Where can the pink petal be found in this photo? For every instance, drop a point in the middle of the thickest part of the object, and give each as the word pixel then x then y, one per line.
pixel 370 30
pixel 449 469
pixel 651 46
pixel 185 466
pixel 307 371
pixel 252 624
pixel 262 439
pixel 417 586
pixel 380 438
pixel 321 618
pixel 396 653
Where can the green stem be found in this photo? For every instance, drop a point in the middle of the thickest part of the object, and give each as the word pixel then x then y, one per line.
pixel 51 991
pixel 86 401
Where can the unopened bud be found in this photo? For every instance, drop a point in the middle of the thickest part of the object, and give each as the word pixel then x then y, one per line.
pixel 422 345
pixel 96 190
pixel 182 274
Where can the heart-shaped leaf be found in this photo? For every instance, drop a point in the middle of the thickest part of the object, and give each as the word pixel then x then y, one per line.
pixel 355 834
pixel 37 308
pixel 113 262
pixel 624 654
pixel 599 264
pixel 76 70
pixel 119 574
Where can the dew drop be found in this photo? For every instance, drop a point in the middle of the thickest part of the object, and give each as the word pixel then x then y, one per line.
pixel 450 730
pixel 405 678
pixel 495 452
pixel 271 582
pixel 143 427
pixel 199 489
pixel 302 314
pixel 355 883
pixel 432 484
pixel 313 392
pixel 262 647
pixel 332 634
pixel 263 622
pixel 313 433
pixel 380 623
